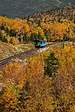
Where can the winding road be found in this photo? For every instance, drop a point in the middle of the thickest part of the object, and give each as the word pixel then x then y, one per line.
pixel 26 54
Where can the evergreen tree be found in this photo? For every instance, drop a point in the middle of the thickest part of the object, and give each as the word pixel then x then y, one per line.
pixel 51 65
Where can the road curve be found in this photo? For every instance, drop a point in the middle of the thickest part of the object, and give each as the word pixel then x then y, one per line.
pixel 24 55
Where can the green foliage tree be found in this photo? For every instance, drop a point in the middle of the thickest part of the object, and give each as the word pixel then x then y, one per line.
pixel 34 36
pixel 24 94
pixel 2 37
pixel 26 39
pixel 51 65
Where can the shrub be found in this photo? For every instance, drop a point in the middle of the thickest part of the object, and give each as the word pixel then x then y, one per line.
pixel 14 41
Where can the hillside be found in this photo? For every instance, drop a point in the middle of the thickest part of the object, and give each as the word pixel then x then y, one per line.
pixel 54 25
pixel 7 50
pixel 45 84
pixel 22 8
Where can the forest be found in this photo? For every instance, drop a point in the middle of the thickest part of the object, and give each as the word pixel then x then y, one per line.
pixel 54 25
pixel 47 82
